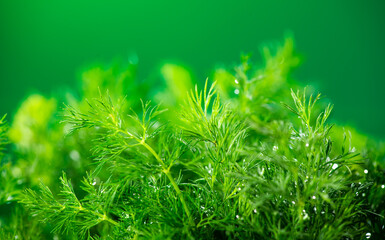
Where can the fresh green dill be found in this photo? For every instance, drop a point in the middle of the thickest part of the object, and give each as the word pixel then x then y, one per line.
pixel 243 157
pixel 3 130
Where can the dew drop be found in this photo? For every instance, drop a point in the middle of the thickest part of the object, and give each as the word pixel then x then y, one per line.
pixel 335 165
pixel 74 155
pixel 368 235
pixel 237 216
pixel 94 183
pixel 382 186
pixel 292 202
pixel 366 171
pixel 275 148
pixel 236 91
pixel 363 194
pixel 236 81
pixel 314 197
pixel 307 145
pixel 255 210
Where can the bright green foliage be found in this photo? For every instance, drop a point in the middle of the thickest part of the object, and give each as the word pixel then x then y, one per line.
pixel 32 140
pixel 3 130
pixel 178 81
pixel 31 119
pixel 243 158
pixel 42 149
pixel 71 215
pixel 303 182
pixel 7 185
pixel 117 79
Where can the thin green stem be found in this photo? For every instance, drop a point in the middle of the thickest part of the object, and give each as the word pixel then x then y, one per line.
pixel 173 183
pixel 104 217
pixel 165 170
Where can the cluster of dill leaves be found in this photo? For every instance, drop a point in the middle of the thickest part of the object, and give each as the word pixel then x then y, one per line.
pixel 243 157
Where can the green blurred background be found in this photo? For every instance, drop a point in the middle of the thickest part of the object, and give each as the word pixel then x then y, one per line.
pixel 45 44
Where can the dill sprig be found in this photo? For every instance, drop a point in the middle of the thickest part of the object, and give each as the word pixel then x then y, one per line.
pixel 244 157
pixel 3 131
pixel 299 177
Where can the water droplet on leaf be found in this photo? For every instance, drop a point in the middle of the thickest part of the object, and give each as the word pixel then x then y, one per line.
pixel 74 155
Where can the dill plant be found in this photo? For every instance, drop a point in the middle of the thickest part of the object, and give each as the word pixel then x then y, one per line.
pixel 243 157
pixel 3 130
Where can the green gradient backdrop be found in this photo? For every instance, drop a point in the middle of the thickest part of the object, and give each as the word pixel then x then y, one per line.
pixel 44 44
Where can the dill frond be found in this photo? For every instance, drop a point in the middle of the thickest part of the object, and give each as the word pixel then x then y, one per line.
pixel 243 157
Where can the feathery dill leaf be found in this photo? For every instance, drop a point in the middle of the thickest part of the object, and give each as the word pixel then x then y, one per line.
pixel 3 138
pixel 241 158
